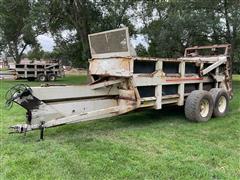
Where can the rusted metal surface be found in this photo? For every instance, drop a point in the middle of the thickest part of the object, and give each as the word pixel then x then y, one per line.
pixel 120 67
pixel 214 48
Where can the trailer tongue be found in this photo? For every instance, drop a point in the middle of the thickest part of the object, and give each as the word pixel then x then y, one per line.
pixel 122 82
pixel 53 106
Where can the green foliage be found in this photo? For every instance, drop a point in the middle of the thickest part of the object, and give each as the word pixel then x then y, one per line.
pixel 36 53
pixel 84 17
pixel 180 24
pixel 79 16
pixel 141 50
pixel 170 26
pixel 115 14
pixel 18 26
pixel 147 144
pixel 70 54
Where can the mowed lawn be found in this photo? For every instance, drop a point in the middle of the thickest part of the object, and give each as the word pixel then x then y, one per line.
pixel 144 144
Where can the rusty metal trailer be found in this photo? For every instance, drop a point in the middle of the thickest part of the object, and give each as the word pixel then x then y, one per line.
pixel 123 82
pixel 40 72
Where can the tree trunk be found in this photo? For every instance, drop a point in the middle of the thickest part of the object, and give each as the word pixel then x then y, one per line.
pixel 18 55
pixel 228 33
pixel 79 18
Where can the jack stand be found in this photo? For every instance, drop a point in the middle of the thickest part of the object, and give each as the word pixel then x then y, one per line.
pixel 41 127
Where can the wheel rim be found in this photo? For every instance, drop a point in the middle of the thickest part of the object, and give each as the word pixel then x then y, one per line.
pixel 52 78
pixel 42 78
pixel 222 104
pixel 204 108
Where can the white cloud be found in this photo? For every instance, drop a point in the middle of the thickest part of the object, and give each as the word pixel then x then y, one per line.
pixel 139 39
pixel 46 41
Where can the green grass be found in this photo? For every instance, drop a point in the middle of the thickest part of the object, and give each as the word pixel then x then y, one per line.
pixel 144 144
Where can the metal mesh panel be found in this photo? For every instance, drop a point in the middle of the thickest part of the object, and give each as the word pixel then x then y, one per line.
pixel 109 42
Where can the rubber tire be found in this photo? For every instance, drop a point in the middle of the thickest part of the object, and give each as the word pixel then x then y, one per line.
pixel 192 106
pixel 216 94
pixel 30 79
pixel 51 76
pixel 41 79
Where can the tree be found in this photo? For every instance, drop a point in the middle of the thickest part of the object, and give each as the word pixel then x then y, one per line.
pixel 70 53
pixel 116 14
pixel 74 15
pixel 230 12
pixel 36 53
pixel 141 50
pixel 18 26
pixel 82 17
pixel 172 25
pixel 224 22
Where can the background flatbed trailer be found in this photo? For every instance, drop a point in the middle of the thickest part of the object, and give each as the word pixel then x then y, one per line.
pixel 40 72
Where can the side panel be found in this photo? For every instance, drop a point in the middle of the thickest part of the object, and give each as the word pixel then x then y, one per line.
pixel 71 92
pixel 69 108
pixel 113 43
pixel 174 80
pixel 120 67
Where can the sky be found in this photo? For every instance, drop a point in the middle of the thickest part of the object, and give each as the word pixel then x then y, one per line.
pixel 46 42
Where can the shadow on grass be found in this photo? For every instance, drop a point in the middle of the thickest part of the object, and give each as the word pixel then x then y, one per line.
pixel 136 119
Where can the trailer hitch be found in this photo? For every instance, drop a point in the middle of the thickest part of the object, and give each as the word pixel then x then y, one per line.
pixel 19 128
pixel 24 128
pixel 22 95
